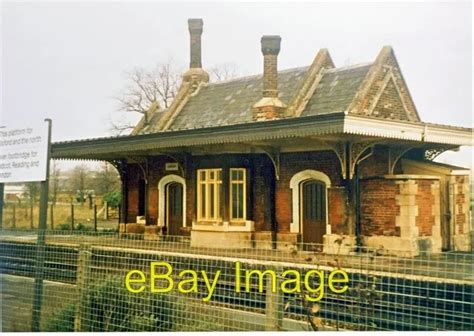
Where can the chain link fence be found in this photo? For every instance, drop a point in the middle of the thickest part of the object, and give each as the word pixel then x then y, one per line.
pixel 100 281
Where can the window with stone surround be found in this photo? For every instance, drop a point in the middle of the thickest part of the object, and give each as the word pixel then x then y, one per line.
pixel 238 194
pixel 209 194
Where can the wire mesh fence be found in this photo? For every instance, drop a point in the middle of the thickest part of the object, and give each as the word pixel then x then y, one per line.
pixel 106 282
pixel 20 215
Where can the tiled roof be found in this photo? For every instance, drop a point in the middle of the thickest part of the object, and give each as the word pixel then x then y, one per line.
pixel 336 90
pixel 155 118
pixel 230 102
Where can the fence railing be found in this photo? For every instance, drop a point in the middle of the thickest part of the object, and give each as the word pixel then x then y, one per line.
pixel 61 216
pixel 103 282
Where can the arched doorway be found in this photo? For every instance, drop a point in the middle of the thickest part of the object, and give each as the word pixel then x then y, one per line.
pixel 174 208
pixel 172 204
pixel 310 205
pixel 313 211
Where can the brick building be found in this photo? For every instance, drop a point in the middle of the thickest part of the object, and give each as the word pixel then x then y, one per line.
pixel 308 154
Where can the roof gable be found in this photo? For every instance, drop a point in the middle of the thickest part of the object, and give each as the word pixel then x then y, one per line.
pixel 375 89
pixel 388 101
pixel 384 92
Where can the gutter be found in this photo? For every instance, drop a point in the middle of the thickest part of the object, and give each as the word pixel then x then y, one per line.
pixel 334 123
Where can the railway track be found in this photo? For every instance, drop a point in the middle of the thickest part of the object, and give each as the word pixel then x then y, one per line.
pixel 396 302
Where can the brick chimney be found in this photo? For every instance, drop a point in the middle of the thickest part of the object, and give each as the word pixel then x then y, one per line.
pixel 195 74
pixel 270 106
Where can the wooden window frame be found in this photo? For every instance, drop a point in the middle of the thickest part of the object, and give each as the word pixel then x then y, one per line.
pixel 209 184
pixel 242 182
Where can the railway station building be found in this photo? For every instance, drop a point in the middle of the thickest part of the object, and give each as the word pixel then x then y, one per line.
pixel 304 155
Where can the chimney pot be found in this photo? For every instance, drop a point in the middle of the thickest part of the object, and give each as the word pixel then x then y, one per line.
pixel 270 44
pixel 195 26
pixel 270 50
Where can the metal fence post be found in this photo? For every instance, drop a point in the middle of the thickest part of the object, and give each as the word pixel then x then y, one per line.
pixel 274 305
pixel 95 217
pixel 40 243
pixel 2 193
pixel 51 214
pixel 14 216
pixel 31 214
pixel 83 262
pixel 119 214
pixel 72 216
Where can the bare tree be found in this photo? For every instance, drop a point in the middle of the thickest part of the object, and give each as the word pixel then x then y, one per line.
pixel 223 72
pixel 79 181
pixel 32 191
pixel 107 179
pixel 157 86
pixel 146 87
pixel 54 180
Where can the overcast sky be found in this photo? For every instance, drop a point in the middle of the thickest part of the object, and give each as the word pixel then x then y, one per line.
pixel 67 60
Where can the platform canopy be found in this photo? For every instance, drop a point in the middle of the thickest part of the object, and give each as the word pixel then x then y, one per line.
pixel 298 134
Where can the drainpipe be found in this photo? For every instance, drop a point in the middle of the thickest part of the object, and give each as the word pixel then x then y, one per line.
pixel 146 190
pixel 124 179
pixel 358 227
pixel 272 211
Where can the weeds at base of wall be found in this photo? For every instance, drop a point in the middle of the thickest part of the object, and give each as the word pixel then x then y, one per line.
pixel 109 307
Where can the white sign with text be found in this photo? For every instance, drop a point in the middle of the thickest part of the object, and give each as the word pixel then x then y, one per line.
pixel 23 153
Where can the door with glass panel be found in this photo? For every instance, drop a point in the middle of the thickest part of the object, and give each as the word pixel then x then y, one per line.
pixel 313 211
pixel 174 208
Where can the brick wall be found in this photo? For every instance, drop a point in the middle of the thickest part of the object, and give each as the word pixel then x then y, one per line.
pixel 292 163
pixel 132 185
pixel 337 199
pixel 156 169
pixel 388 104
pixel 261 174
pixel 382 200
pixel 425 201
pixel 377 163
pixel 379 208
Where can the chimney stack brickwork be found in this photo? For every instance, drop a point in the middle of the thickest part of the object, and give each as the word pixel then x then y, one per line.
pixel 195 32
pixel 270 51
pixel 196 73
pixel 270 106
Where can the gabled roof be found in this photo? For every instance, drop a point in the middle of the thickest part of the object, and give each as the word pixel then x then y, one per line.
pixel 374 89
pixel 230 102
pixel 336 90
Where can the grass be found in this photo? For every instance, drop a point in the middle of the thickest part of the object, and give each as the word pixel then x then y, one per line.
pixel 18 216
pixel 17 299
pixel 59 307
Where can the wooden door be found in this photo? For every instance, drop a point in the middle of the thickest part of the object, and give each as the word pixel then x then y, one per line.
pixel 174 208
pixel 313 214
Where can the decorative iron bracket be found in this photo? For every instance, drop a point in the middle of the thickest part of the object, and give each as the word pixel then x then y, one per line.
pixel 349 154
pixel 274 154
pixel 395 154
pixel 121 166
pixel 143 169
pixel 432 153
pixel 340 148
pixel 355 154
